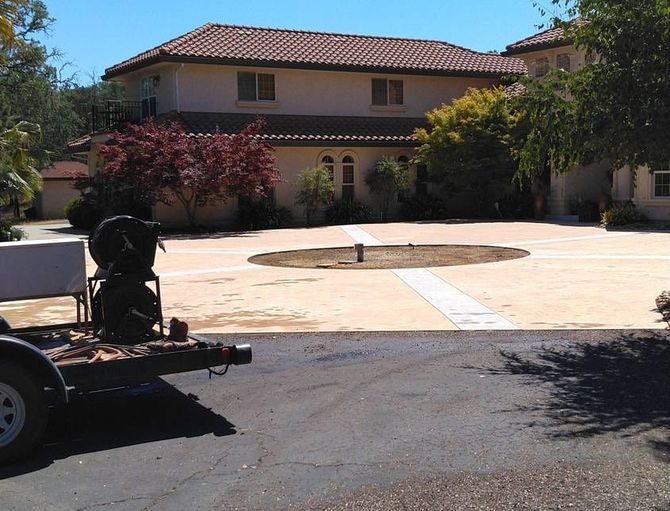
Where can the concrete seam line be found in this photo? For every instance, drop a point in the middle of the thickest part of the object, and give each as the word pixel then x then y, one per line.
pixel 359 235
pixel 559 240
pixel 603 257
pixel 465 312
pixel 210 270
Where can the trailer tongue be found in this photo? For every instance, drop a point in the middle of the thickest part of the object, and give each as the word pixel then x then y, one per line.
pixel 125 343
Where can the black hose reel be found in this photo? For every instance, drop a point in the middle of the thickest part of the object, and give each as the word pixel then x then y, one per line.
pixel 124 309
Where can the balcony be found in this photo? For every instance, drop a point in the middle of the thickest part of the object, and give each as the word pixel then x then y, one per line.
pixel 112 115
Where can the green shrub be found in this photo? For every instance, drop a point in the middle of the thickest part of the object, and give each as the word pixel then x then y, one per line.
pixel 9 233
pixel 82 213
pixel 387 179
pixel 423 207
pixel 315 189
pixel 621 213
pixel 348 212
pixel 263 214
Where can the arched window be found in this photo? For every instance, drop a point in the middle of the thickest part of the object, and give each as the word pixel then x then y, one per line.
pixel 329 163
pixel 348 168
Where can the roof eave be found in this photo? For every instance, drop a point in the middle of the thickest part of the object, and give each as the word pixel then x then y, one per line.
pixel 536 47
pixel 112 73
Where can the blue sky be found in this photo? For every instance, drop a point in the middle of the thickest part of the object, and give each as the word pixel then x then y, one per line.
pixel 95 34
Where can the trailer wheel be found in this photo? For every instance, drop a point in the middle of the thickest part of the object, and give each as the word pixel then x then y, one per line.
pixel 23 411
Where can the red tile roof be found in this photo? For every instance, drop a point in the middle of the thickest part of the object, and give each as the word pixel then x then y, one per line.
pixel 515 90
pixel 64 170
pixel 550 38
pixel 307 130
pixel 241 45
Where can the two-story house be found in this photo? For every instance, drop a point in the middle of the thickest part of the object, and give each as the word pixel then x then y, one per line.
pixel 649 190
pixel 541 52
pixel 339 100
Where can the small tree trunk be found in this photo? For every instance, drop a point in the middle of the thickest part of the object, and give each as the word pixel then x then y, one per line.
pixel 190 206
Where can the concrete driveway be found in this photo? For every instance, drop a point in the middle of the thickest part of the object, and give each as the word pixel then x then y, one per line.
pixel 577 277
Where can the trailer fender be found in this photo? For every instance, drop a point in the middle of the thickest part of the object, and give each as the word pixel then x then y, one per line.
pixel 18 350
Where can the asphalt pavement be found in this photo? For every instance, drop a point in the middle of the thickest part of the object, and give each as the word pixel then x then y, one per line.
pixel 421 420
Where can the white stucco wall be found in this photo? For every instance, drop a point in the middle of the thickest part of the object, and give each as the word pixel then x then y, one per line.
pixel 213 88
pixel 655 208
pixel 590 183
pixel 53 197
pixel 290 162
pixel 577 57
pixel 222 214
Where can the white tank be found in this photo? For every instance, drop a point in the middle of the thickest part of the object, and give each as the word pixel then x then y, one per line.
pixel 42 269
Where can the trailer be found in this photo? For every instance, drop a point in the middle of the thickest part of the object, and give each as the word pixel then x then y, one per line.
pixel 119 340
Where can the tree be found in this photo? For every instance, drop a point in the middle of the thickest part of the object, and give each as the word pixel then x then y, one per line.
pixel 386 179
pixel 316 189
pixel 196 171
pixel 620 104
pixel 470 144
pixel 19 180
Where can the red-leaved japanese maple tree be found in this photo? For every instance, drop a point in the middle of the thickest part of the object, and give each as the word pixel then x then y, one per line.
pixel 196 170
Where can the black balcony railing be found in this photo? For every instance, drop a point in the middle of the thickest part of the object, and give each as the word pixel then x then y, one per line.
pixel 112 115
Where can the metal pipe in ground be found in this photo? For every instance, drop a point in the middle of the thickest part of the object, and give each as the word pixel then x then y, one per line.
pixel 360 252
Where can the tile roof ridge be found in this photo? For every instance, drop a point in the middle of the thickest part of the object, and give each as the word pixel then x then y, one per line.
pixel 341 34
pixel 574 21
pixel 532 36
pixel 160 49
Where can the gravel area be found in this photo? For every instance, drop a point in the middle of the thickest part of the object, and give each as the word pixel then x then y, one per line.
pixel 389 257
pixel 633 486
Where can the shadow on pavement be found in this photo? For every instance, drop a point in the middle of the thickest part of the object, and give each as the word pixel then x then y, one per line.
pixel 620 386
pixel 108 420
pixel 65 230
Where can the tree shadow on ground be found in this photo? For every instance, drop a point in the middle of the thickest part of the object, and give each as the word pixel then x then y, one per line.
pixel 618 386
pixel 123 418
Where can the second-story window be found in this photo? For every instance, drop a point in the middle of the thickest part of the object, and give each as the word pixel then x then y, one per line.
pixel 563 62
pixel 148 95
pixel 387 92
pixel 541 67
pixel 255 86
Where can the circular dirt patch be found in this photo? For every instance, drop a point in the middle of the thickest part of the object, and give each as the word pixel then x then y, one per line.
pixel 389 257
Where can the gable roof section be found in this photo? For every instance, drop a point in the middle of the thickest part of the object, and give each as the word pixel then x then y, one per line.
pixel 241 45
pixel 306 130
pixel 550 38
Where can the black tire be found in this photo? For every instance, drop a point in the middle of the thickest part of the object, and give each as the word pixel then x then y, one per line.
pixel 23 411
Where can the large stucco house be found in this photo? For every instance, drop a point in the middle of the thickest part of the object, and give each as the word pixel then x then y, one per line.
pixel 335 99
pixel 650 191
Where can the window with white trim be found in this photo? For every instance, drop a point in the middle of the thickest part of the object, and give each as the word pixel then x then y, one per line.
pixel 403 160
pixel 255 86
pixel 148 95
pixel 563 61
pixel 662 183
pixel 348 173
pixel 541 67
pixel 387 92
pixel 329 162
